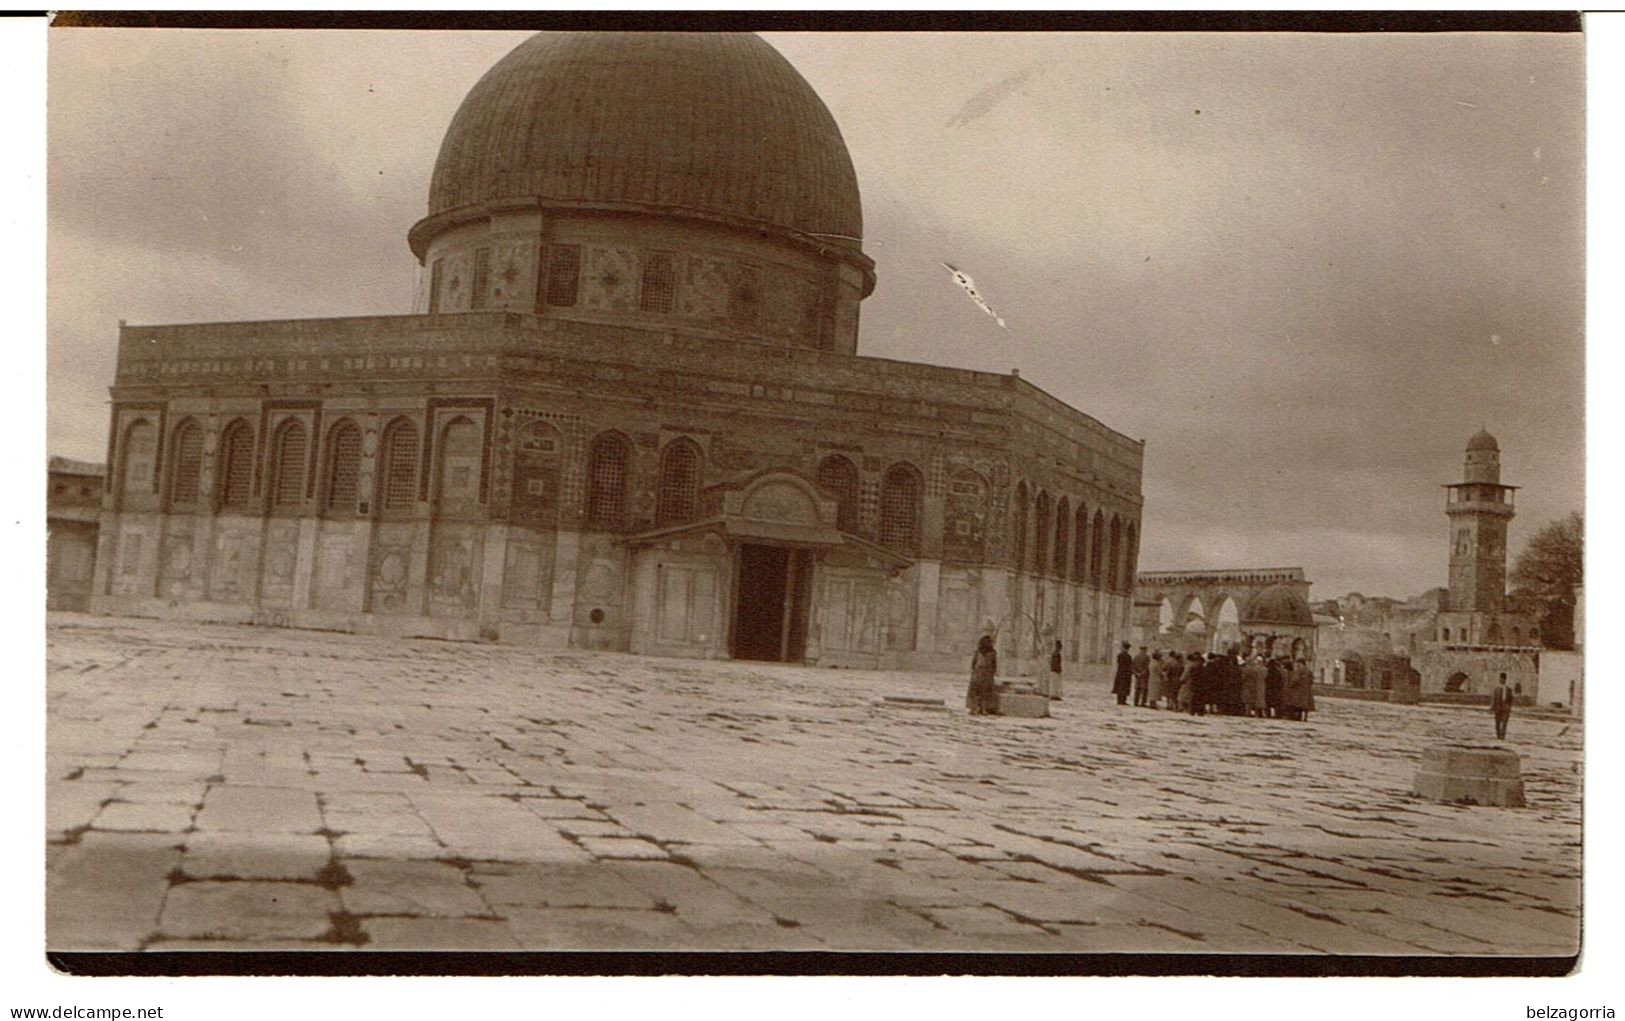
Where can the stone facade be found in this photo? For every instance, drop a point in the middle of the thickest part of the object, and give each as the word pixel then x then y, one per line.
pixel 484 506
pixel 634 429
pixel 1476 669
pixel 73 500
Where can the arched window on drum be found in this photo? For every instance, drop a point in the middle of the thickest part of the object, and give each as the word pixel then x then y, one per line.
pixel 964 516
pixel 398 474
pixel 679 489
pixel 1041 521
pixel 1018 528
pixel 458 471
pixel 139 455
pixel 1131 554
pixel 1097 543
pixel 1063 523
pixel 288 455
pixel 1080 544
pixel 839 477
pixel 186 466
pixel 608 463
pixel 1114 555
pixel 900 509
pixel 341 476
pixel 236 467
pixel 537 450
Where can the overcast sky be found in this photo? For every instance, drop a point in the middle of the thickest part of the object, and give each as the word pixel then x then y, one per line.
pixel 1304 269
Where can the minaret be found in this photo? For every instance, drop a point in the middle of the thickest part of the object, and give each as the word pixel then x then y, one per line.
pixel 1479 508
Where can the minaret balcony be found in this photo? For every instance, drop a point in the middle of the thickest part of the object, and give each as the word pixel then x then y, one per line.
pixel 1506 510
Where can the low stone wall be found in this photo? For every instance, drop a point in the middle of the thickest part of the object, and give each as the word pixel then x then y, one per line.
pixel 1469 699
pixel 1345 691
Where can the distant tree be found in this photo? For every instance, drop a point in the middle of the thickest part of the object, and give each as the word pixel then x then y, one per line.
pixel 1548 570
pixel 1525 602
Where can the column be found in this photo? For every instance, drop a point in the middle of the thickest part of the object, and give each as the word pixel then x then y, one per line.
pixel 495 553
pixel 928 581
pixel 566 556
pixel 304 564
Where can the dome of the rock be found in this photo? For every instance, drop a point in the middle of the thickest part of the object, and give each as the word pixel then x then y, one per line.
pixel 716 126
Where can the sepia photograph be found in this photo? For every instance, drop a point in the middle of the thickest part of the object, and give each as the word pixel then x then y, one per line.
pixel 1059 501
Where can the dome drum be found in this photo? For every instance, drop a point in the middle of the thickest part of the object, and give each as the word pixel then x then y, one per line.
pixel 847 250
pixel 651 271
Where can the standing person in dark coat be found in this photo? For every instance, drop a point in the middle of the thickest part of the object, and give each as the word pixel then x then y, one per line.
pixel 1252 685
pixel 1202 685
pixel 1186 699
pixel 982 699
pixel 1230 687
pixel 1501 707
pixel 1300 690
pixel 1055 666
pixel 1125 675
pixel 1274 686
pixel 1215 682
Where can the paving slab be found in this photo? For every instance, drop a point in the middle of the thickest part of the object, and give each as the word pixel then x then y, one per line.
pixel 247 911
pixel 161 817
pixel 72 805
pixel 557 886
pixel 466 934
pixel 107 895
pixel 259 810
pixel 473 825
pixel 599 929
pixel 419 888
pixel 232 854
pixel 390 846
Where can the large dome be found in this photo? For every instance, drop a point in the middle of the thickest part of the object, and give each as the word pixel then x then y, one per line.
pixel 714 125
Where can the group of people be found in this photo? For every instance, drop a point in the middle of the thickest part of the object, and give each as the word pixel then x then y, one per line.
pixel 1227 684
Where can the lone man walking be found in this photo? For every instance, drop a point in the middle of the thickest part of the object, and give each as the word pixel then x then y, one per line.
pixel 1501 706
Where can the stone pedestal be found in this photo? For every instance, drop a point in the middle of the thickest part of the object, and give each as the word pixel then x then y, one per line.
pixel 1471 774
pixel 1023 701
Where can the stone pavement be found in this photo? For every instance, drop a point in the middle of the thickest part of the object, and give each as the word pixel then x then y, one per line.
pixel 215 787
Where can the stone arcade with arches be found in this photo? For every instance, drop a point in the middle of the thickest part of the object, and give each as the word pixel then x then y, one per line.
pixel 1206 611
pixel 627 411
